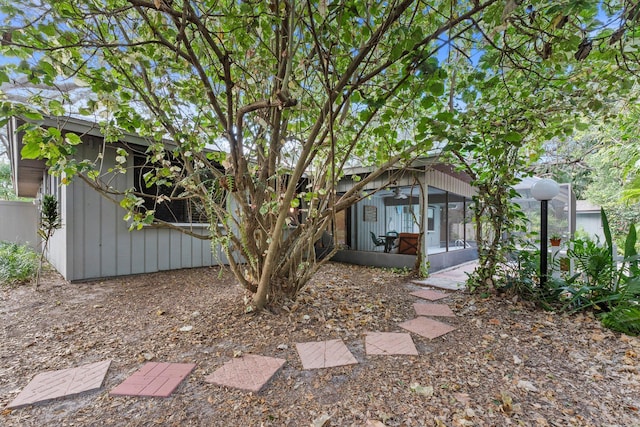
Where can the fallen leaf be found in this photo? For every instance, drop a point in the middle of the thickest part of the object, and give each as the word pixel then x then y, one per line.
pixel 425 391
pixel 507 402
pixel 527 385
pixel 322 420
pixel 462 398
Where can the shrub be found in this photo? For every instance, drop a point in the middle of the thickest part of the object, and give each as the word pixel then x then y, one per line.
pixel 602 283
pixel 18 263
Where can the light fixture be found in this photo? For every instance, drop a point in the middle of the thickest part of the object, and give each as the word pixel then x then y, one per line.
pixel 544 190
pixel 398 195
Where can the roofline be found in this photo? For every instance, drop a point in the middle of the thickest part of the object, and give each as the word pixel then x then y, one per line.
pixel 87 127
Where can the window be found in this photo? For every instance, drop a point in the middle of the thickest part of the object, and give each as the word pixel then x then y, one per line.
pixel 188 210
pixel 431 222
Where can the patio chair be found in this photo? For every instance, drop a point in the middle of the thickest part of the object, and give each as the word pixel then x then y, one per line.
pixel 376 241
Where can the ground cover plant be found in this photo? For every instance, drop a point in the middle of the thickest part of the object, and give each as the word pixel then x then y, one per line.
pixel 604 282
pixel 18 263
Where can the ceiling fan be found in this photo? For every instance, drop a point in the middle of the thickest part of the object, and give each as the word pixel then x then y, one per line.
pixel 397 194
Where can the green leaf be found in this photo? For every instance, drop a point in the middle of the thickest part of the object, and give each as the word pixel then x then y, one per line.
pixel 32 115
pixel 31 150
pixel 72 138
pixel 607 231
pixel 437 88
pixel 630 242
pixel 513 137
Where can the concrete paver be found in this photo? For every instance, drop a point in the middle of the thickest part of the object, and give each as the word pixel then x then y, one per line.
pixel 324 354
pixel 441 282
pixel 428 309
pixel 427 328
pixel 390 343
pixel 62 383
pixel 429 294
pixel 249 372
pixel 154 380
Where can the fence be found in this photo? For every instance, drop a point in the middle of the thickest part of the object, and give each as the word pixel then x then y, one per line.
pixel 19 222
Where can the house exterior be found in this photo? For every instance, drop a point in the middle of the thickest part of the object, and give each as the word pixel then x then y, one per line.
pixel 431 197
pixel 94 241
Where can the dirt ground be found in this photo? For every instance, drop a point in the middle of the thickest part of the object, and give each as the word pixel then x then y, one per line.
pixel 505 364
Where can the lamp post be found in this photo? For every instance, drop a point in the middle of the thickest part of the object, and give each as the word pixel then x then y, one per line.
pixel 544 190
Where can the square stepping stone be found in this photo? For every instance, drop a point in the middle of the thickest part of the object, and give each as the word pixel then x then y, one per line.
pixel 442 283
pixel 428 309
pixel 154 380
pixel 388 343
pixel 62 383
pixel 429 294
pixel 427 328
pixel 249 372
pixel 324 354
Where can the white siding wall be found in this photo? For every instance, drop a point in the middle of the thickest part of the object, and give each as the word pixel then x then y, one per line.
pixel 58 251
pixel 101 245
pixel 449 183
pixel 364 228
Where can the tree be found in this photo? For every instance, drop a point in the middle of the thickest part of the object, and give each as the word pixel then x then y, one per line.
pixel 537 83
pixel 289 92
pixel 283 94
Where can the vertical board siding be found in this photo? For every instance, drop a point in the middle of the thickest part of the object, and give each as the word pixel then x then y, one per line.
pixel 175 249
pixel 101 244
pixel 164 256
pixel 123 235
pixel 185 243
pixel 108 238
pixel 363 237
pixel 137 251
pixel 449 183
pixel 151 249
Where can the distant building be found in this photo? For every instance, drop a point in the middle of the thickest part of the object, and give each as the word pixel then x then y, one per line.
pixel 589 219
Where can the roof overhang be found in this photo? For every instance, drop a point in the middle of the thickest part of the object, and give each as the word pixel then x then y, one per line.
pixel 26 174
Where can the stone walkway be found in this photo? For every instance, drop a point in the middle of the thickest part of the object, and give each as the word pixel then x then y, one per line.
pixel 252 372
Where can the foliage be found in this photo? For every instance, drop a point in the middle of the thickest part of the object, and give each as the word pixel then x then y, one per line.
pixel 608 185
pixel 6 187
pixel 625 319
pixel 600 282
pixel 50 221
pixel 283 95
pixel 18 263
pixel 539 95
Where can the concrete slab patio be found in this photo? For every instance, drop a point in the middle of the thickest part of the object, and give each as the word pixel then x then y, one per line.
pixel 249 372
pixel 453 279
pixel 62 383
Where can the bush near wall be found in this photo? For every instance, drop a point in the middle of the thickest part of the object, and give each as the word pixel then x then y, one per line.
pixel 18 263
